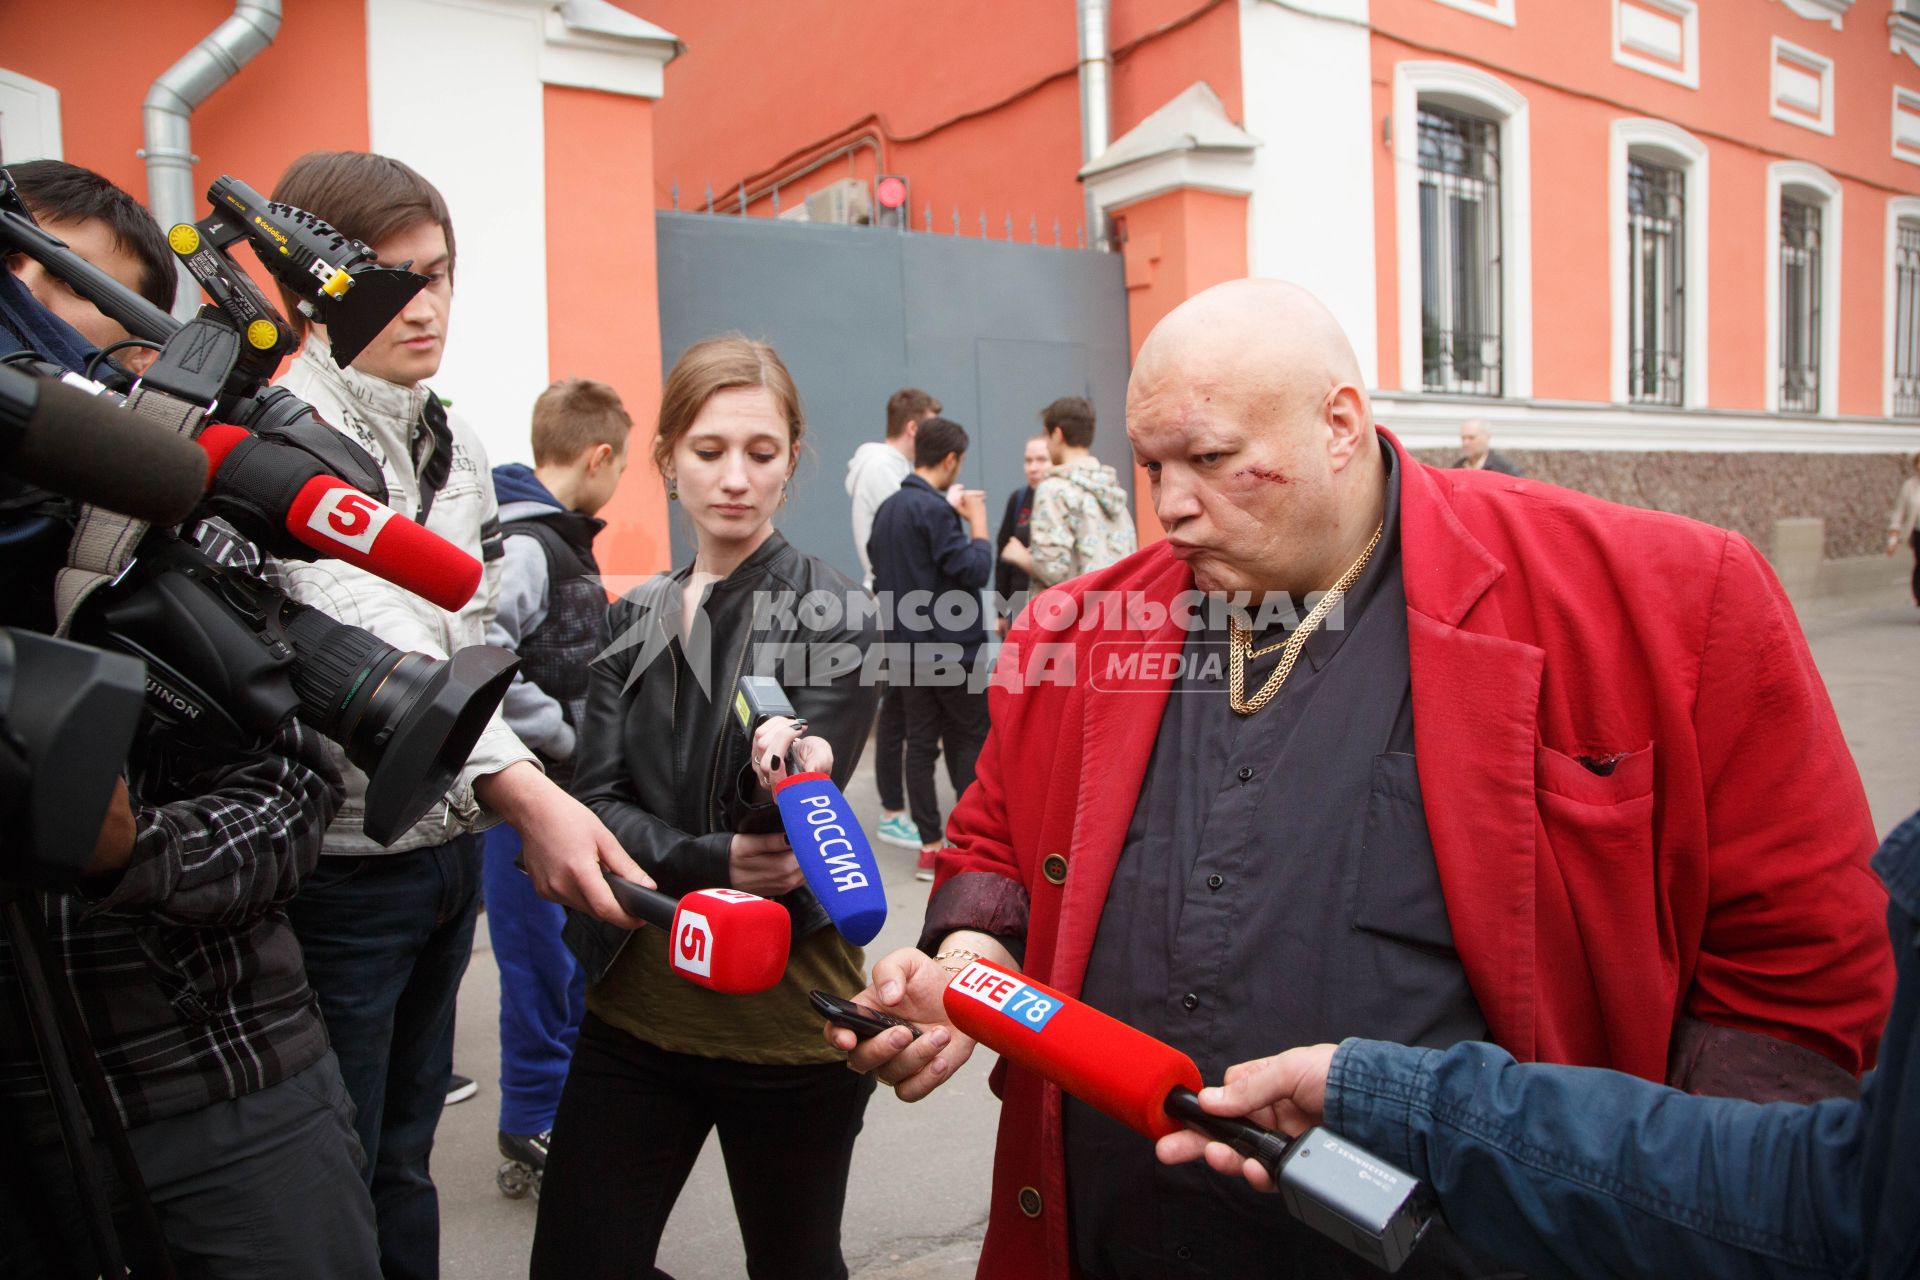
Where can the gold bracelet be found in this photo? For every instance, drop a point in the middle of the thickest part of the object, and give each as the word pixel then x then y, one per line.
pixel 964 956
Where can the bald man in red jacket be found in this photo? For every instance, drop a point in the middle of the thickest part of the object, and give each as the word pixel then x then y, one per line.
pixel 1567 775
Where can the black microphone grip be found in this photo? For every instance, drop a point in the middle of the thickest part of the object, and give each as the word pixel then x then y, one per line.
pixel 1245 1137
pixel 642 903
pixel 1347 1194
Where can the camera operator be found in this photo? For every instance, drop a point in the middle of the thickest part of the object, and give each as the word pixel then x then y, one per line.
pixel 107 227
pixel 388 932
pixel 176 942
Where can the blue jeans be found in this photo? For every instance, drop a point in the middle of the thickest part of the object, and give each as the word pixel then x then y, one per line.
pixel 542 990
pixel 387 939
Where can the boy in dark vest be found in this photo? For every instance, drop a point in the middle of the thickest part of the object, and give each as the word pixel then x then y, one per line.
pixel 553 613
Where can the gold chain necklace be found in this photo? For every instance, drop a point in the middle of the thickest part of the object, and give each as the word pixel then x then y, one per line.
pixel 1240 640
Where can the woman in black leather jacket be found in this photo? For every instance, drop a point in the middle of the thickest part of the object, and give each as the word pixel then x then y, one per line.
pixel 659 1060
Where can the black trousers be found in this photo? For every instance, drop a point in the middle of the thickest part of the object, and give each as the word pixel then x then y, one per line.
pixel 937 716
pixel 632 1120
pixel 889 749
pixel 1913 539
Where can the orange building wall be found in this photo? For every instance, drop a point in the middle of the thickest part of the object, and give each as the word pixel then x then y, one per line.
pixel 306 91
pixel 1560 56
pixel 1738 260
pixel 600 146
pixel 796 79
pixel 1863 297
pixel 1176 244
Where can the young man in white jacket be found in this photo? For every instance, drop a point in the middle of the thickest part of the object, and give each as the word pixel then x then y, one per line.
pixel 387 931
pixel 874 474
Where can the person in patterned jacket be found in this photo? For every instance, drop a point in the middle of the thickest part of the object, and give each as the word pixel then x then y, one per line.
pixel 1080 520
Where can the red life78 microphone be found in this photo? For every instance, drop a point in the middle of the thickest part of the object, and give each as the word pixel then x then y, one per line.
pixel 720 939
pixel 254 481
pixel 1347 1194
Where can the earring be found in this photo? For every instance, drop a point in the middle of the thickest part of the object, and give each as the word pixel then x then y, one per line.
pixel 673 490
pixel 786 491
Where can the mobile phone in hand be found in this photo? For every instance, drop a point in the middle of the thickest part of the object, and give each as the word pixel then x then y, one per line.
pixel 857 1018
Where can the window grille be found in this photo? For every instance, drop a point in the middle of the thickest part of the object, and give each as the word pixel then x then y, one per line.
pixel 1799 306
pixel 1460 253
pixel 1906 320
pixel 1656 288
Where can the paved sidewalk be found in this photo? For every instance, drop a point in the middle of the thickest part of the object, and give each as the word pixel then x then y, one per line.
pixel 916 1207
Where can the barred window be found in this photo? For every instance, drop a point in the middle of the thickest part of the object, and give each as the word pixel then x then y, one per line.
pixel 1460 253
pixel 1799 306
pixel 1906 320
pixel 1656 257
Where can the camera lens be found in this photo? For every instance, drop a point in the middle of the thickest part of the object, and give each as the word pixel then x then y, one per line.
pixel 408 720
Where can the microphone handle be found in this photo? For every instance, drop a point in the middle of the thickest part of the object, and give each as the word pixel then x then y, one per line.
pixel 1245 1137
pixel 642 903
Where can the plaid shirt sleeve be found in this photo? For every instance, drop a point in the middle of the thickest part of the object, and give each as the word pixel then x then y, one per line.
pixel 237 845
pixel 249 827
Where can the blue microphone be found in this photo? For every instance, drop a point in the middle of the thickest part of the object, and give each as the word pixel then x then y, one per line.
pixel 833 854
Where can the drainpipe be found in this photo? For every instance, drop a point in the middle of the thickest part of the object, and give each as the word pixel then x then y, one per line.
pixel 164 117
pixel 1095 123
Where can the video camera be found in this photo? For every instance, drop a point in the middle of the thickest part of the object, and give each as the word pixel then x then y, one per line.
pixel 228 658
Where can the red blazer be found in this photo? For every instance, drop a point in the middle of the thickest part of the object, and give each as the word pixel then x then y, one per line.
pixel 1719 872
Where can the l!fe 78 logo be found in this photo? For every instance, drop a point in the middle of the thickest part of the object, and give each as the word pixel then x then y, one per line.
pixel 1008 996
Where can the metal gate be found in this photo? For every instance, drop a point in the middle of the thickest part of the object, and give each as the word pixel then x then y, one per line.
pixel 995 330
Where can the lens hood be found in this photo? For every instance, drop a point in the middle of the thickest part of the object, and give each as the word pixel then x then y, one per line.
pixel 424 752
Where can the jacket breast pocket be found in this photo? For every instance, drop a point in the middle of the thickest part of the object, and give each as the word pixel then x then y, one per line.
pixel 1598 804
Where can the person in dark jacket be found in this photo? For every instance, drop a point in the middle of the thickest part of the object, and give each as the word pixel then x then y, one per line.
pixel 1009 579
pixel 1478 453
pixel 1577 1171
pixel 659 1061
pixel 552 611
pixel 931 538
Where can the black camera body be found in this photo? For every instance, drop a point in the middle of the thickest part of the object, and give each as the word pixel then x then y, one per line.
pixel 230 659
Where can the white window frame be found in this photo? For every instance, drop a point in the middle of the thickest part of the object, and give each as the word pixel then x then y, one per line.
pixel 1831 12
pixel 1807 182
pixel 1818 61
pixel 1899 209
pixel 1500 11
pixel 1688 72
pixel 1670 145
pixel 21 142
pixel 1455 85
pixel 1907 97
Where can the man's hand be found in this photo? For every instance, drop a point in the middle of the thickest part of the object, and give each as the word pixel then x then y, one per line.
pixel 565 847
pixel 1287 1092
pixel 115 843
pixel 1016 554
pixel 764 865
pixel 973 509
pixel 908 984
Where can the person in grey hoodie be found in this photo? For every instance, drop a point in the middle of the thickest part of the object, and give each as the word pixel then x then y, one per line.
pixel 1080 520
pixel 874 474
pixel 552 611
